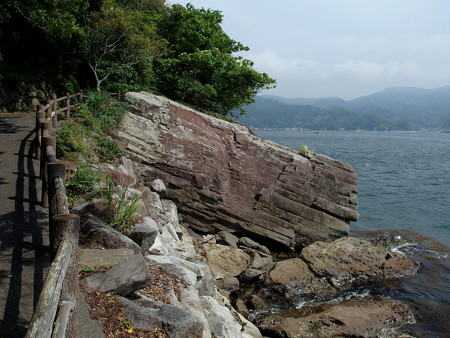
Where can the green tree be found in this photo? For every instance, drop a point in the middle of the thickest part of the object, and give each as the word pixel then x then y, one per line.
pixel 58 19
pixel 120 36
pixel 200 66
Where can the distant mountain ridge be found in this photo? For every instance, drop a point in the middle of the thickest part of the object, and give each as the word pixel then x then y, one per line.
pixel 397 108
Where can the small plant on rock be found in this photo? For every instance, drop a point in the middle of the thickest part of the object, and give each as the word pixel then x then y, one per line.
pixel 124 211
pixel 303 150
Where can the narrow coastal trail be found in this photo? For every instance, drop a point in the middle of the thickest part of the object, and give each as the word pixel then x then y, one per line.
pixel 23 225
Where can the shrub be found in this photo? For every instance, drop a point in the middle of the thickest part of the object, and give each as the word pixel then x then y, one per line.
pixel 70 138
pixel 84 181
pixel 107 111
pixel 107 149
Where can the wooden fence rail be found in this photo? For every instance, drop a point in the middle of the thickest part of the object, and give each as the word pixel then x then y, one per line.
pixel 56 311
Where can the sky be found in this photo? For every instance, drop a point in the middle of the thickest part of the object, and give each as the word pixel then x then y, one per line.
pixel 341 48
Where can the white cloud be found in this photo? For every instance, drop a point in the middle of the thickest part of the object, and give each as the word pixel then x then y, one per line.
pixel 371 70
pixel 270 62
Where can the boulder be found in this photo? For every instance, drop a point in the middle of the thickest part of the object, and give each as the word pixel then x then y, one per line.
pixel 368 317
pixel 227 238
pixel 258 259
pixel 224 178
pixel 296 278
pixel 99 234
pixel 257 303
pixel 122 279
pixel 351 259
pixel 221 321
pixel 229 284
pixel 177 321
pixel 225 261
pixel 250 275
pixel 195 274
pixel 249 243
pixel 144 234
pixel 173 241
pixel 99 257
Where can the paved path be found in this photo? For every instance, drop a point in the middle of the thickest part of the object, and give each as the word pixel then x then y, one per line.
pixel 23 225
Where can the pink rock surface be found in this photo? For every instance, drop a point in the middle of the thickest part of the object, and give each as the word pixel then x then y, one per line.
pixel 224 178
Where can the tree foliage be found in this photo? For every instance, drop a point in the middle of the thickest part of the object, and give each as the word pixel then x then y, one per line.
pixel 119 36
pixel 181 52
pixel 200 67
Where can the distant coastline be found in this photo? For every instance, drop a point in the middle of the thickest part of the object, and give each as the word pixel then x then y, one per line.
pixel 393 109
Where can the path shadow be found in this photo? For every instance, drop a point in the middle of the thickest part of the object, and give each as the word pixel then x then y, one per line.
pixel 22 231
pixel 8 128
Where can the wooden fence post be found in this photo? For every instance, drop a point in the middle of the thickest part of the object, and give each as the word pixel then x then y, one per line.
pixel 44 315
pixel 53 109
pixel 68 106
pixel 39 117
pixel 67 227
pixel 43 175
pixel 45 131
pixel 57 198
pixel 48 142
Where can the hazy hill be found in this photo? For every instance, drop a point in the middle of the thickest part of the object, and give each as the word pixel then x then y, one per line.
pixel 393 108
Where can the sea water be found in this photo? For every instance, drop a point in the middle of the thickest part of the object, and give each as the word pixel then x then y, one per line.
pixel 403 190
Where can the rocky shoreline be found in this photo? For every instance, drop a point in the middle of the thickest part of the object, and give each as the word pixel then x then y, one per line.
pixel 233 286
pixel 252 237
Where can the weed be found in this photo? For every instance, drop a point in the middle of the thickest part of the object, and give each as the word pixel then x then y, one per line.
pixel 107 111
pixel 70 139
pixel 124 211
pixel 88 269
pixel 84 181
pixel 122 208
pixel 304 150
pixel 107 149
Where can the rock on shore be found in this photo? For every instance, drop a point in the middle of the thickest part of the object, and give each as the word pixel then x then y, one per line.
pixel 206 271
pixel 365 317
pixel 224 178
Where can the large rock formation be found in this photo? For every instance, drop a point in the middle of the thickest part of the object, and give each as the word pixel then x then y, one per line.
pixel 224 178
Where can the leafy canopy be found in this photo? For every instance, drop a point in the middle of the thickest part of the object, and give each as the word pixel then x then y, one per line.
pixel 200 67
pixel 181 52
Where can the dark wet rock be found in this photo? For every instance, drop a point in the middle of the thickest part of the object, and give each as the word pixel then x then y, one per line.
pixel 250 275
pixel 366 317
pixel 351 259
pixel 241 308
pixel 122 279
pixel 257 303
pixel 224 178
pixel 177 321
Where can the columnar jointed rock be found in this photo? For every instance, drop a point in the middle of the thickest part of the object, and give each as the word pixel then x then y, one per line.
pixel 224 178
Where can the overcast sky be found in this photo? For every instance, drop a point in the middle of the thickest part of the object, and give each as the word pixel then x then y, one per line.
pixel 344 48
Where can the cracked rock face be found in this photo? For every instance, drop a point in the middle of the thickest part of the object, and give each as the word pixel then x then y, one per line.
pixel 224 178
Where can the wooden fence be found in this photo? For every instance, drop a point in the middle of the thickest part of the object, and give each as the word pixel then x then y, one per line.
pixel 56 311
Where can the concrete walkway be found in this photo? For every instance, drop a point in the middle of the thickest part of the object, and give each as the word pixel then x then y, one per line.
pixel 23 225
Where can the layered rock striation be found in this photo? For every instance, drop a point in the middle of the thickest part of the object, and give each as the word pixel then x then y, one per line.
pixel 224 178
